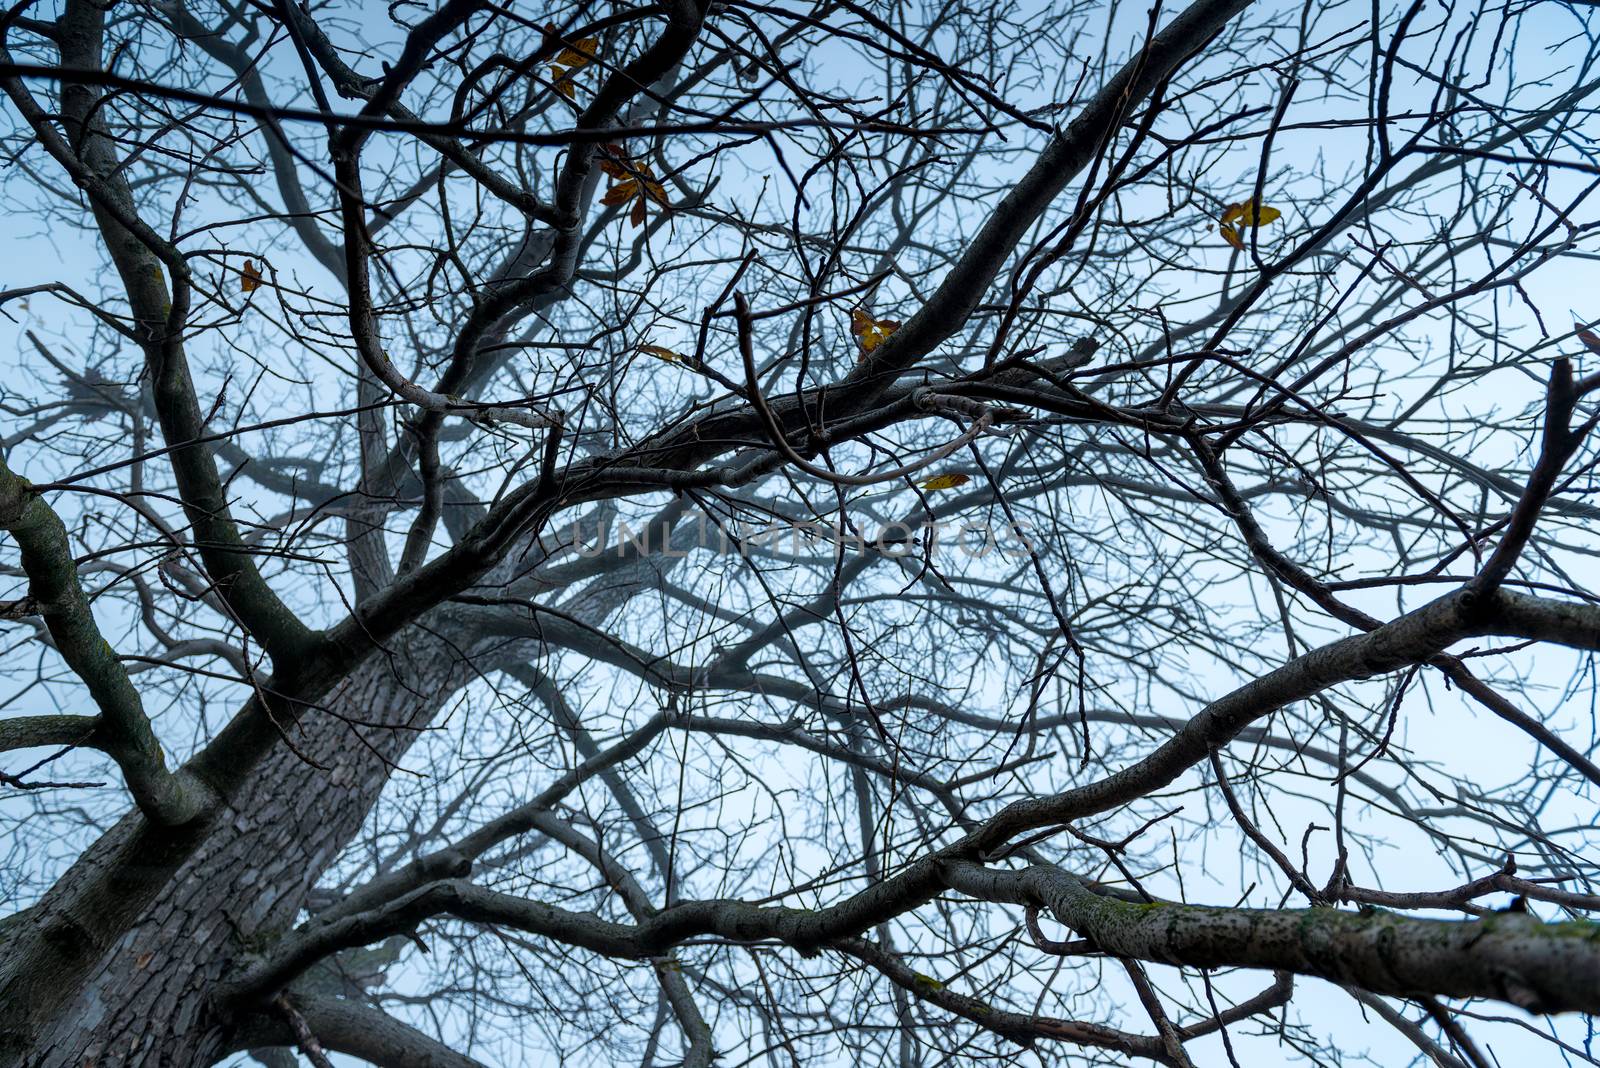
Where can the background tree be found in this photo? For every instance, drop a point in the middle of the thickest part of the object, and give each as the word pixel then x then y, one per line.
pixel 854 533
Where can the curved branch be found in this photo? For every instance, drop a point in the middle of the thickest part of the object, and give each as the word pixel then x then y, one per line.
pixel 358 1030
pixel 122 730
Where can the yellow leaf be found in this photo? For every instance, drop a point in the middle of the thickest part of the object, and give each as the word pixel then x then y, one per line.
pixel 1245 213
pixel 579 54
pixel 1251 213
pixel 569 61
pixel 576 54
pixel 870 332
pixel 944 482
pixel 661 353
pixel 250 277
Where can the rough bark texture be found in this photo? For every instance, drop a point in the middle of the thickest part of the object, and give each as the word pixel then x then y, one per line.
pixel 1541 967
pixel 146 1002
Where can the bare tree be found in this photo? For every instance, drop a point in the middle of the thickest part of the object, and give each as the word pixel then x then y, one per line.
pixel 743 533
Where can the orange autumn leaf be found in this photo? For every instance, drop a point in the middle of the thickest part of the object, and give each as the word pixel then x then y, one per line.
pixel 614 160
pixel 870 332
pixel 635 181
pixel 620 193
pixel 250 277
pixel 944 482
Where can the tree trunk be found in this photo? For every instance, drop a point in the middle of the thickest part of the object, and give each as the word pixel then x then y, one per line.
pixel 146 1000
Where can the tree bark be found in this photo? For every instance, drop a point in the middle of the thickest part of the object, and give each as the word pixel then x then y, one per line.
pixel 146 1001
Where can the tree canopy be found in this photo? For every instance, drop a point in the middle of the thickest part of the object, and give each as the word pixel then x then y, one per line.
pixel 892 533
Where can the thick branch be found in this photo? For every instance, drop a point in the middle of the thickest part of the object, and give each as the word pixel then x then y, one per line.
pixel 347 1027
pixel 1541 967
pixel 121 730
